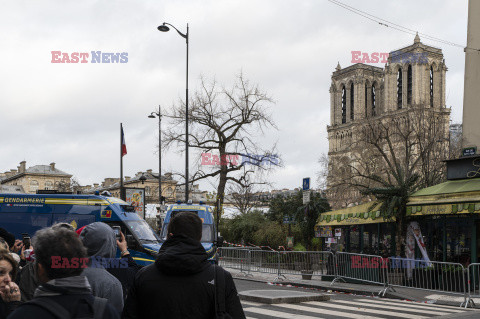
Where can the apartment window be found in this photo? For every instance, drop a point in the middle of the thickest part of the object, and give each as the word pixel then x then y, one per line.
pixel 33 186
pixel 48 185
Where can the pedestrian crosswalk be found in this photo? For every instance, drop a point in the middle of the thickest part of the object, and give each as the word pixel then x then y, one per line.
pixel 357 308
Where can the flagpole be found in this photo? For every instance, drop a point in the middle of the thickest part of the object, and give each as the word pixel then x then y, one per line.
pixel 122 190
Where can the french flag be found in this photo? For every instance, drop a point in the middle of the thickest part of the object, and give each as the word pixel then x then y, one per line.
pixel 124 146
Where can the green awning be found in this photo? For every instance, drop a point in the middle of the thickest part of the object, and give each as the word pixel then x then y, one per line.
pixel 355 215
pixel 452 197
pixel 451 187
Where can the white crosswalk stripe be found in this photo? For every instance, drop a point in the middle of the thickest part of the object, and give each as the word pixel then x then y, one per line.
pixel 413 306
pixel 359 308
pixel 454 309
pixel 277 314
pixel 323 311
pixel 361 303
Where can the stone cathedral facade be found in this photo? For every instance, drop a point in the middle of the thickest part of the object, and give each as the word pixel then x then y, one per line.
pixel 412 76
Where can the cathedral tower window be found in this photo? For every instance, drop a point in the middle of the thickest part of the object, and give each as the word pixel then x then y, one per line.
pixel 374 112
pixel 352 109
pixel 409 85
pixel 344 105
pixel 431 86
pixel 399 88
pixel 366 99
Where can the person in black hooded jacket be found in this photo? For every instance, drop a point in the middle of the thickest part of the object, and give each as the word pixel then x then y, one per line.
pixel 181 282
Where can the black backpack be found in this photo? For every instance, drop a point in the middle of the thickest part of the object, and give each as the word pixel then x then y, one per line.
pixel 219 281
pixel 97 309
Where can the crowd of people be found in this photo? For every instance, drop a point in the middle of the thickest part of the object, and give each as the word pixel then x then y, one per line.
pixel 68 273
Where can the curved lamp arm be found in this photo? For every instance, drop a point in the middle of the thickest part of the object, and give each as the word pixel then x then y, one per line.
pixel 185 36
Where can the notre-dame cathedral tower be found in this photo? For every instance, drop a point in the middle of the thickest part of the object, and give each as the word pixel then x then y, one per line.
pixel 412 76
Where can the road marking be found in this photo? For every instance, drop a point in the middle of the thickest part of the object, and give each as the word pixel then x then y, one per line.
pixel 413 308
pixel 323 311
pixel 339 304
pixel 453 308
pixel 251 303
pixel 278 314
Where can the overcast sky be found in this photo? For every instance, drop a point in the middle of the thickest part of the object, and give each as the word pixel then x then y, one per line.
pixel 70 113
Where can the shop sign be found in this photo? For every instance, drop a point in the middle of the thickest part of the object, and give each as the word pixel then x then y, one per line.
pixel 325 231
pixel 331 241
pixel 290 242
pixel 338 232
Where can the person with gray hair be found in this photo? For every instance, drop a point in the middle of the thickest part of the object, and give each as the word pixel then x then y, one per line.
pixel 101 244
pixel 64 291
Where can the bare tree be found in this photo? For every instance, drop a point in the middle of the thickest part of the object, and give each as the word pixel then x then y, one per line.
pixel 71 185
pixel 243 198
pixel 224 123
pixel 393 156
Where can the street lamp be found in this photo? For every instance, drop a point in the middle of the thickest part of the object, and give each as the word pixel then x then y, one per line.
pixel 164 28
pixel 152 116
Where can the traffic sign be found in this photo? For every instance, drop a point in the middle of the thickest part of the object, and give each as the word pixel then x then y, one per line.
pixel 306 183
pixel 306 197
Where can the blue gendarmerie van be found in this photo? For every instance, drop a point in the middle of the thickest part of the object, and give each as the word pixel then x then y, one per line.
pixel 210 239
pixel 27 213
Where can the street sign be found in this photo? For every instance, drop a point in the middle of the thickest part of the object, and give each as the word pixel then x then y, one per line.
pixel 306 183
pixel 306 197
pixel 287 220
pixel 469 151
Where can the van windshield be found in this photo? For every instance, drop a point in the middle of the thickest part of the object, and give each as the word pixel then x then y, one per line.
pixel 141 229
pixel 207 233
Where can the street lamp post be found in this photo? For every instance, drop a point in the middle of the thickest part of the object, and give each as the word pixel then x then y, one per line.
pixel 152 116
pixel 164 28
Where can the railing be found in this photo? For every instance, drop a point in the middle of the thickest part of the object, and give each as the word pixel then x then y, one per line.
pixel 473 277
pixel 360 267
pixel 443 277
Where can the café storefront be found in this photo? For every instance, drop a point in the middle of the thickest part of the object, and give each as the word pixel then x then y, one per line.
pixel 357 229
pixel 448 215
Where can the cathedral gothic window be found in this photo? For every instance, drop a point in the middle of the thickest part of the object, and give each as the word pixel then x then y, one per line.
pixel 366 99
pixel 409 85
pixel 374 113
pixel 399 88
pixel 352 112
pixel 431 86
pixel 344 105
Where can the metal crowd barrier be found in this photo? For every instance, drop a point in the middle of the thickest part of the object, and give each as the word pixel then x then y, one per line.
pixel 361 268
pixel 391 273
pixel 473 277
pixel 305 263
pixel 437 276
pixel 235 258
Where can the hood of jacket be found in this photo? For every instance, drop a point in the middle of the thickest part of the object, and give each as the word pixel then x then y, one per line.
pixel 99 239
pixel 181 255
pixel 64 286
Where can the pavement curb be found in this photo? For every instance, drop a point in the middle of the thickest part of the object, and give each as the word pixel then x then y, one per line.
pixel 388 295
pixel 274 297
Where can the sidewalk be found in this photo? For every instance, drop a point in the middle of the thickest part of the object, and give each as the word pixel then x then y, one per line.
pixel 417 295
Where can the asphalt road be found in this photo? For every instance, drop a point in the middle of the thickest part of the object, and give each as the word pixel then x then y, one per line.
pixel 345 306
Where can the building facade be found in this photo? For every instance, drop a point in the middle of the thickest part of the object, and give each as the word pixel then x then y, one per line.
pixel 147 180
pixel 413 78
pixel 38 177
